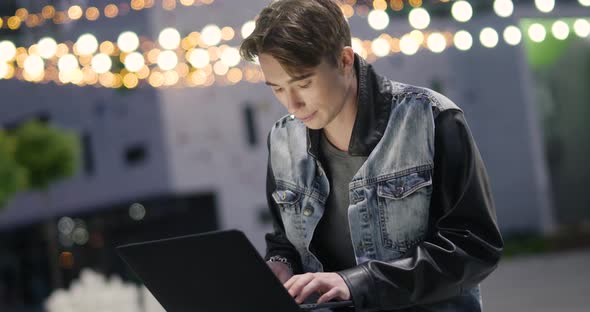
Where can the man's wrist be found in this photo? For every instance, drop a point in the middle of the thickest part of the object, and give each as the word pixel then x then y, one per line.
pixel 281 259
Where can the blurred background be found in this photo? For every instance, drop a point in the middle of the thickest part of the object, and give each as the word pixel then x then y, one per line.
pixel 123 121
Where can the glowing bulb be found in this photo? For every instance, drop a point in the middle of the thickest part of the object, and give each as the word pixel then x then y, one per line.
pixel 488 37
pixel 419 18
pixel 199 58
pixel 537 32
pixel 231 57
pixel 545 6
pixel 512 35
pixel 436 42
pixel 220 68
pixel 167 60
pixel 134 62
pixel 584 2
pixel 582 28
pixel 503 8
pixel 34 65
pixel 47 47
pixel 101 63
pixel 7 51
pixel 169 38
pixel 211 35
pixel 357 46
pixel 408 45
pixel 67 63
pixel 463 40
pixel 248 28
pixel 462 11
pixel 380 47
pixel 560 30
pixel 378 19
pixel 128 41
pixel 87 44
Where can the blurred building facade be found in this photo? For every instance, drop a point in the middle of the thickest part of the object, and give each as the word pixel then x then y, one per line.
pixel 161 162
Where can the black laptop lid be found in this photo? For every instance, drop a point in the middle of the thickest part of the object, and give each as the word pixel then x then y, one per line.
pixel 211 272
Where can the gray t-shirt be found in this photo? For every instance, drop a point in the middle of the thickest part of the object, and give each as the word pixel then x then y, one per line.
pixel 331 242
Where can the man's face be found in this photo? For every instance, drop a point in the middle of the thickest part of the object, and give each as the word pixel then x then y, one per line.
pixel 315 97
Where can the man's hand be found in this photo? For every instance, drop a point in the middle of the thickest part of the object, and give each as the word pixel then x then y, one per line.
pixel 281 271
pixel 328 285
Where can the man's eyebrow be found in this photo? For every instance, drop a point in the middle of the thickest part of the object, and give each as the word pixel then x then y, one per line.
pixel 294 79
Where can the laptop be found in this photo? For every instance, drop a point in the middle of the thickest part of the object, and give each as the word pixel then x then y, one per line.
pixel 211 272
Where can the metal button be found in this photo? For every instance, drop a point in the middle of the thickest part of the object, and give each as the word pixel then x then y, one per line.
pixel 308 211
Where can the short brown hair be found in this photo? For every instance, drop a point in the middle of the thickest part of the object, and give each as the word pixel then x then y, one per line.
pixel 299 34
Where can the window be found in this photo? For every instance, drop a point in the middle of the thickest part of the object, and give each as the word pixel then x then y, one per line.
pixel 135 154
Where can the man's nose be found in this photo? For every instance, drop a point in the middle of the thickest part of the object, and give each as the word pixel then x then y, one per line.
pixel 294 102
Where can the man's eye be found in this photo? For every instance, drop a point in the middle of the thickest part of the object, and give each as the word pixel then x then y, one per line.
pixel 305 85
pixel 277 90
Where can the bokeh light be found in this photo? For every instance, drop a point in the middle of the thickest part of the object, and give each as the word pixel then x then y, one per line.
pixel 537 32
pixel 378 19
pixel 47 47
pixel 463 40
pixel 419 18
pixel 134 62
pixel 462 11
pixel 436 42
pixel 503 8
pixel 211 35
pixel 169 38
pixel 488 37
pixel 512 35
pixel 128 41
pixel 167 60
pixel 560 30
pixel 87 44
pixel 101 63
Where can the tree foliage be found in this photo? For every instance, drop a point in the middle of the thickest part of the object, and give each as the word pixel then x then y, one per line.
pixel 35 155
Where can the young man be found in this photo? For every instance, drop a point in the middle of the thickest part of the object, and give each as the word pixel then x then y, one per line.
pixel 378 191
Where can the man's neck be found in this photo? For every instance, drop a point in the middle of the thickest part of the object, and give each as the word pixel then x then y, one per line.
pixel 339 131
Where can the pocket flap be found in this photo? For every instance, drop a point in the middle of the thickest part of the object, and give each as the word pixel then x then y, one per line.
pixel 403 186
pixel 284 196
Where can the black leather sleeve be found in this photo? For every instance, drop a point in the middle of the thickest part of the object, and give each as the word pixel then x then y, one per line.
pixel 463 244
pixel 277 243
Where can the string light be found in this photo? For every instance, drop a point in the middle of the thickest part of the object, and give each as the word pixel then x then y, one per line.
pixel 436 42
pixel 419 18
pixel 463 40
pixel 91 13
pixel 503 8
pixel 560 30
pixel 512 35
pixel 462 11
pixel 582 28
pixel 210 63
pixel 488 37
pixel 545 6
pixel 537 32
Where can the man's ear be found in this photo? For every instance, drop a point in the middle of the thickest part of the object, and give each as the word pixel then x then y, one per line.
pixel 346 62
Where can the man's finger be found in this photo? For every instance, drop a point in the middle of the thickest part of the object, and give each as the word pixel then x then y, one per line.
pixel 298 285
pixel 292 280
pixel 330 295
pixel 312 287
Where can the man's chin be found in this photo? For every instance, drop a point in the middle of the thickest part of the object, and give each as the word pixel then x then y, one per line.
pixel 314 126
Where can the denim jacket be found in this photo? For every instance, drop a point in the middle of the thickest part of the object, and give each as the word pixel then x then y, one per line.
pixel 405 258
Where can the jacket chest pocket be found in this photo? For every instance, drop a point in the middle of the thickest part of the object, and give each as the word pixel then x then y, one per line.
pixel 403 204
pixel 288 201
